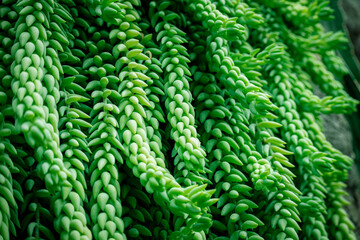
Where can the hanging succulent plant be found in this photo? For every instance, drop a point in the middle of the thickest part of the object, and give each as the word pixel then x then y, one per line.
pixel 165 119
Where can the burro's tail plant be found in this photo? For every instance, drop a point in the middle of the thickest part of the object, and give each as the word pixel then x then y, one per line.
pixel 170 119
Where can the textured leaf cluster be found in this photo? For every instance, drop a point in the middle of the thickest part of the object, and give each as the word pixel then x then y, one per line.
pixel 170 119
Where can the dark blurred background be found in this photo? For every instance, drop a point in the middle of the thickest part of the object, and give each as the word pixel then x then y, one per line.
pixel 351 10
pixel 343 130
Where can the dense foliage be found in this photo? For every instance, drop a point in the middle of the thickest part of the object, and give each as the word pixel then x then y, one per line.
pixel 170 119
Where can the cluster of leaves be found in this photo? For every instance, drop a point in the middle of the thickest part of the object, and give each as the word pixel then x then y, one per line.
pixel 170 120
